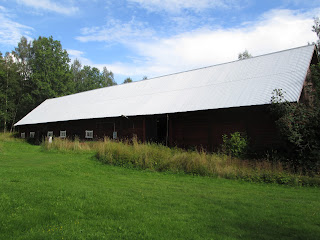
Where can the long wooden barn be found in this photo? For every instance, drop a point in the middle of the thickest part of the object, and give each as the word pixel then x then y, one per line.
pixel 192 108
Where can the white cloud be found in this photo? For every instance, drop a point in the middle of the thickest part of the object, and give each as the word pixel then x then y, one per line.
pixel 49 5
pixel 277 30
pixel 118 68
pixel 274 31
pixel 76 54
pixel 11 31
pixel 179 5
pixel 116 31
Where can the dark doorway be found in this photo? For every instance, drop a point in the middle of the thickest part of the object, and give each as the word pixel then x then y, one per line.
pixel 156 129
pixel 161 130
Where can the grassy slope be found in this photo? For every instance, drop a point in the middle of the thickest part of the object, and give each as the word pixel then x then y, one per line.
pixel 48 195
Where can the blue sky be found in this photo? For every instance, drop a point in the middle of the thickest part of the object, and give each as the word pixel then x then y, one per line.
pixel 136 38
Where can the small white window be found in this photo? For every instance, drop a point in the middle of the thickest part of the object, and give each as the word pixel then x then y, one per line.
pixel 32 134
pixel 114 135
pixel 23 135
pixel 63 134
pixel 50 134
pixel 89 133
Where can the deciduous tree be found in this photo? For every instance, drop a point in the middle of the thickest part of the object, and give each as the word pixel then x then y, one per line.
pixel 9 90
pixel 107 78
pixel 127 80
pixel 51 75
pixel 244 55
pixel 316 29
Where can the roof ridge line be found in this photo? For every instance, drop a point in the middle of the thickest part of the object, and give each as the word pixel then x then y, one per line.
pixel 219 64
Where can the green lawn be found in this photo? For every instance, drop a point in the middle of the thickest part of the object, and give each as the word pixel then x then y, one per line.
pixel 50 195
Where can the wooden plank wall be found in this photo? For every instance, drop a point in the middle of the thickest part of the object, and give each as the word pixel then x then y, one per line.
pixel 125 128
pixel 201 129
pixel 205 128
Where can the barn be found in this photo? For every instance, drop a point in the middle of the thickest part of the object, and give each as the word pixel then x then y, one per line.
pixel 186 109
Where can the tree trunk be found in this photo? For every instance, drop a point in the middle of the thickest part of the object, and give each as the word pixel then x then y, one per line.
pixel 6 104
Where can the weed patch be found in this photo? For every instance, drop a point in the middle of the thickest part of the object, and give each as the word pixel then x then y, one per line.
pixel 159 158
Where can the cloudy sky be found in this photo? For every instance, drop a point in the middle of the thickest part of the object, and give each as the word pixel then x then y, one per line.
pixel 136 38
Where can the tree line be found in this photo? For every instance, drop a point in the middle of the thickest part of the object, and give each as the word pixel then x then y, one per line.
pixel 40 69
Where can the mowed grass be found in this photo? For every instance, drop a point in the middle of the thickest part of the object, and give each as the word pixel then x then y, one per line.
pixel 52 195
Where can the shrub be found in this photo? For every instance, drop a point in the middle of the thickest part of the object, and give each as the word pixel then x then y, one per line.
pixel 236 145
pixel 299 125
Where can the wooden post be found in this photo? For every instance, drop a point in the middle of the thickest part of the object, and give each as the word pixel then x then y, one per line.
pixel 167 134
pixel 210 120
pixel 144 129
pixel 170 133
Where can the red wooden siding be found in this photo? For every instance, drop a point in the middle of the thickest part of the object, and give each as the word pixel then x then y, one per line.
pixel 191 129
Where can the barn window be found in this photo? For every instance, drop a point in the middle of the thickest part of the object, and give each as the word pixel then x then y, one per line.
pixel 89 133
pixel 114 135
pixel 50 134
pixel 63 134
pixel 23 135
pixel 32 134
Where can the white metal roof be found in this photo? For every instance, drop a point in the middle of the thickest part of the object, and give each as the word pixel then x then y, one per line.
pixel 239 83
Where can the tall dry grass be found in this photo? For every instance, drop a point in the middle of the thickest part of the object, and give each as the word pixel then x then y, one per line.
pixel 66 145
pixel 8 137
pixel 160 158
